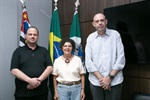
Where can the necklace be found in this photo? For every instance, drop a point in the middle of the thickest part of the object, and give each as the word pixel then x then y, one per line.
pixel 67 60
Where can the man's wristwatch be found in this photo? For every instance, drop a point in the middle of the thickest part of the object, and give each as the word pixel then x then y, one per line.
pixel 111 77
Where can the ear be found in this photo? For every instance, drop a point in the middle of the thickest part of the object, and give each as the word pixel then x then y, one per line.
pixel 93 24
pixel 106 21
pixel 25 36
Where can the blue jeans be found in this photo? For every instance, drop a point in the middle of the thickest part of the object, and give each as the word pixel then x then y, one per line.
pixel 69 92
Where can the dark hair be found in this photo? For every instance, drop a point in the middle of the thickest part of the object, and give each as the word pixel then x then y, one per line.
pixel 63 41
pixel 34 28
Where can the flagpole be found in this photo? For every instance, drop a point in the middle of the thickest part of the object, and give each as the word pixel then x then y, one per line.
pixel 23 3
pixel 77 3
pixel 54 41
pixel 22 34
pixel 25 24
pixel 55 4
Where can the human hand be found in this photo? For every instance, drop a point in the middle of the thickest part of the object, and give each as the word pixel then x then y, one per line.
pixel 33 83
pixel 82 94
pixel 56 97
pixel 105 83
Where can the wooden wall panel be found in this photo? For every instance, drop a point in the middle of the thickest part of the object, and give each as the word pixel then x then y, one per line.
pixel 132 85
pixel 126 1
pixel 111 3
pixel 89 8
pixel 137 79
pixel 137 70
pixel 65 30
pixel 66 11
pixel 132 1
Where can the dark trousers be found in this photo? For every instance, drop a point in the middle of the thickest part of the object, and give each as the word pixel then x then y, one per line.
pixel 99 93
pixel 39 97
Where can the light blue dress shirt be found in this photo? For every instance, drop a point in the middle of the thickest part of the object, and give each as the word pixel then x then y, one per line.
pixel 103 54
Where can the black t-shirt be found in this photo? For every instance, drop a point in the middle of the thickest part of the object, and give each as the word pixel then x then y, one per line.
pixel 32 63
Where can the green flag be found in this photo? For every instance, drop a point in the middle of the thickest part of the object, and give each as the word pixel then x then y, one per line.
pixel 75 34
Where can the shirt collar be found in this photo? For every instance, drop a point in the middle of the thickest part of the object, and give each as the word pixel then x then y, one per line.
pixel 106 33
pixel 30 48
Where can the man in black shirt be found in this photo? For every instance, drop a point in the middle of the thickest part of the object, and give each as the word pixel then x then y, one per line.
pixel 31 65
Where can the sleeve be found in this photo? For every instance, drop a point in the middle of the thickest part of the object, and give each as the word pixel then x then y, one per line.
pixel 48 59
pixel 82 71
pixel 89 64
pixel 120 62
pixel 15 60
pixel 55 71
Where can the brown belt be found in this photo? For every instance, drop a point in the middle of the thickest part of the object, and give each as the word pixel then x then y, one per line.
pixel 70 83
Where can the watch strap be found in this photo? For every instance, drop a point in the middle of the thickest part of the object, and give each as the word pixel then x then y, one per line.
pixel 111 77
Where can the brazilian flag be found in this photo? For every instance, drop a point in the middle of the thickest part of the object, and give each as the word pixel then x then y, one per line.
pixel 54 41
pixel 54 36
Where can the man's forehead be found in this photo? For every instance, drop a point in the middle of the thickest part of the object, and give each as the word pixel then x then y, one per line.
pixel 31 30
pixel 99 16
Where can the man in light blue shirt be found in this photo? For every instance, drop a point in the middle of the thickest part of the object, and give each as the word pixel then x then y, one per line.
pixel 104 59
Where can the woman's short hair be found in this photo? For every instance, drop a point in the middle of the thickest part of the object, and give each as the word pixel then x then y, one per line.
pixel 67 40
